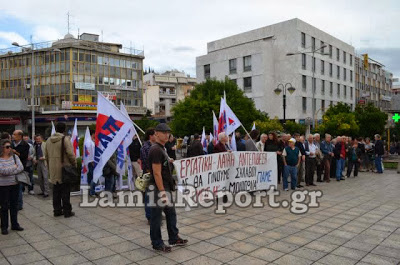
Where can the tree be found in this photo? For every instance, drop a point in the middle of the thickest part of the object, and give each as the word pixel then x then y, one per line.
pixel 339 120
pixel 268 125
pixel 293 127
pixel 145 123
pixel 195 111
pixel 370 119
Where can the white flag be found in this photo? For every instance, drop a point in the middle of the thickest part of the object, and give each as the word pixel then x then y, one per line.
pixel 254 127
pixel 215 127
pixel 111 128
pixel 88 156
pixel 204 141
pixel 233 142
pixel 232 122
pixel 211 137
pixel 75 139
pixel 53 129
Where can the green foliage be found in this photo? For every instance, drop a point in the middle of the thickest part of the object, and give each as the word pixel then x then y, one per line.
pixel 293 127
pixel 195 111
pixel 145 123
pixel 269 125
pixel 339 120
pixel 370 119
pixel 81 141
pixel 92 127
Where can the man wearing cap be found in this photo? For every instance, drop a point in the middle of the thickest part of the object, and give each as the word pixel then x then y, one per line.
pixel 161 179
pixel 291 159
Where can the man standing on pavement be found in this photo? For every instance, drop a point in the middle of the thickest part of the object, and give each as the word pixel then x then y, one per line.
pixel 340 155
pixel 41 167
pixel 196 148
pixel 327 151
pixel 134 153
pixel 21 149
pixel 320 165
pixel 311 160
pixel 260 144
pixel 291 159
pixel 379 152
pixel 164 184
pixel 61 191
pixel 300 170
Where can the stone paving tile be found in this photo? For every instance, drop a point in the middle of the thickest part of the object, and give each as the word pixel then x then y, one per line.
pixel 204 247
pixel 247 260
pixel 115 260
pixel 381 260
pixel 157 260
pixel 337 260
pixel 139 254
pixel 123 247
pixel 283 246
pixel 203 260
pixel 85 245
pixel 27 258
pixel 70 259
pixel 260 240
pixel 18 250
pixel 56 252
pixel 321 246
pixel 242 247
pixel 97 253
pixel 224 255
pixel 266 254
pixel 308 253
pixel 350 253
pixel 221 241
pixel 292 260
pixel 181 255
pixel 3 261
pixel 387 252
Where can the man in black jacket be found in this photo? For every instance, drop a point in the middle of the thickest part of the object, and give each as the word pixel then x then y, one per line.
pixel 21 149
pixel 379 152
pixel 301 169
pixel 134 153
pixel 196 148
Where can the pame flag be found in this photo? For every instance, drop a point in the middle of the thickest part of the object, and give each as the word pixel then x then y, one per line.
pixel 75 139
pixel 88 156
pixel 232 121
pixel 222 122
pixel 111 128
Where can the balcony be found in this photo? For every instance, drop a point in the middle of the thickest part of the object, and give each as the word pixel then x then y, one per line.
pixel 167 94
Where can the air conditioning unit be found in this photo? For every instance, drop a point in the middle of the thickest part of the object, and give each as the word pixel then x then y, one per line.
pixel 28 86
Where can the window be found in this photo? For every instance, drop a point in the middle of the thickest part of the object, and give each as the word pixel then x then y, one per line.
pixel 322 47
pixel 247 84
pixel 351 76
pixel 331 88
pixel 351 93
pixel 330 51
pixel 314 105
pixel 313 43
pixel 314 84
pixel 207 71
pixel 323 105
pixel 304 103
pixel 232 66
pixel 337 54
pixel 303 61
pixel 330 69
pixel 338 71
pixel 338 90
pixel 344 74
pixel 313 64
pixel 304 82
pixel 303 40
pixel 322 67
pixel 345 91
pixel 351 60
pixel 247 63
pixel 322 87
pixel 344 57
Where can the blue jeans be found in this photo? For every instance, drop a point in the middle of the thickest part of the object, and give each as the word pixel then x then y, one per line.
pixel 378 163
pixel 292 170
pixel 155 224
pixel 109 183
pixel 92 185
pixel 339 168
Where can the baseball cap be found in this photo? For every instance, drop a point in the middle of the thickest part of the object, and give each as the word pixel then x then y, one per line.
pixel 292 140
pixel 162 127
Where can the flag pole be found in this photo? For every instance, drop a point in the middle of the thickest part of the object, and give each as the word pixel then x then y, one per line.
pixel 248 135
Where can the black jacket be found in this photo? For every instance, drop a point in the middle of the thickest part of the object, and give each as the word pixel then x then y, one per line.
pixel 196 149
pixel 337 150
pixel 301 148
pixel 23 150
pixel 134 150
pixel 171 153
pixel 379 149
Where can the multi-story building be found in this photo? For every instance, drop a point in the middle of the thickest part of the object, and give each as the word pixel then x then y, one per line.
pixel 162 91
pixel 259 60
pixel 67 75
pixel 373 83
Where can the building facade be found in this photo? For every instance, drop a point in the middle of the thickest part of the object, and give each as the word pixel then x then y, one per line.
pixel 373 83
pixel 163 91
pixel 258 61
pixel 67 75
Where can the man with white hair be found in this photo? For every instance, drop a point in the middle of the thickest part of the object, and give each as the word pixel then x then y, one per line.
pixel 260 144
pixel 221 146
pixel 311 150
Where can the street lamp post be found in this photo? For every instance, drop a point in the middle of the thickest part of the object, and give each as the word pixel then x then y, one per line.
pixel 313 74
pixel 33 83
pixel 277 91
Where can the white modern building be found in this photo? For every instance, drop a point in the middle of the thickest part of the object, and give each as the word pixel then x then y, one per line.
pixel 163 91
pixel 258 62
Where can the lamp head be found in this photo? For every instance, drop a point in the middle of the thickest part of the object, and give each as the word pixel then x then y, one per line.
pixel 277 91
pixel 291 89
pixel 15 44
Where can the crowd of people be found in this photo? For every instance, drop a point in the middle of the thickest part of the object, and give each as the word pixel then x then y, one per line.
pixel 302 157
pixel 299 158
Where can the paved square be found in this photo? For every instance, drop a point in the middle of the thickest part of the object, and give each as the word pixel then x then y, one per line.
pixel 358 221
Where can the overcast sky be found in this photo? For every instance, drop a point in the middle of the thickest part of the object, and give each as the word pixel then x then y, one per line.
pixel 174 32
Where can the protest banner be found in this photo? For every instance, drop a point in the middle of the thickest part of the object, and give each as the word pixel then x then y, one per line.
pixel 233 172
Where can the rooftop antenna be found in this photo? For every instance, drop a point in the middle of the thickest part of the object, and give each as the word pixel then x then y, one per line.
pixel 68 15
